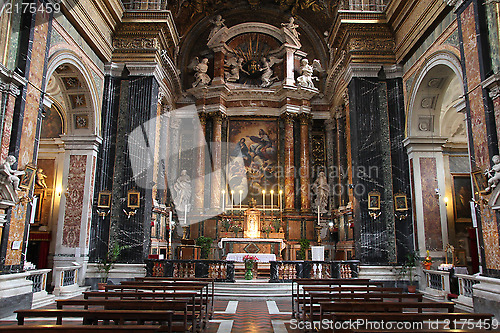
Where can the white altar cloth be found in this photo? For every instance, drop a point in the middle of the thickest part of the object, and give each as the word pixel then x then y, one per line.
pixel 250 240
pixel 263 257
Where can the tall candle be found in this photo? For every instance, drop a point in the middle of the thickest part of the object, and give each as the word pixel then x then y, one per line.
pixel 170 230
pixel 186 215
pixel 223 201
pixel 318 214
pixel 241 192
pixel 272 193
pixel 264 201
pixel 232 202
pixel 280 198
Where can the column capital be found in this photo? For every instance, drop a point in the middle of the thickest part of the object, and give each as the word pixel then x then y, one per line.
pixel 288 117
pixel 330 124
pixel 203 118
pixel 73 142
pixel 217 116
pixel 305 118
pixel 492 84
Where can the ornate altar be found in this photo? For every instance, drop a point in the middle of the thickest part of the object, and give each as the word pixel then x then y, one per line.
pixel 252 223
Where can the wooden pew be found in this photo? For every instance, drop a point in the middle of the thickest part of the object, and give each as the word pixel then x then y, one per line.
pixel 190 296
pixel 179 308
pixel 84 328
pixel 209 280
pixel 181 284
pixel 297 293
pixel 201 305
pixel 92 317
pixel 408 317
pixel 315 297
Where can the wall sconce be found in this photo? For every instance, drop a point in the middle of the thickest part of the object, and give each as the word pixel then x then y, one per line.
pixel 133 202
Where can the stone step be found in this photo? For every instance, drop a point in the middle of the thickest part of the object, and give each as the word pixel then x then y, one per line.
pixel 258 288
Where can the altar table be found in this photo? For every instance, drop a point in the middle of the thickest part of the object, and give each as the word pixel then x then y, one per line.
pixel 252 245
pixel 263 257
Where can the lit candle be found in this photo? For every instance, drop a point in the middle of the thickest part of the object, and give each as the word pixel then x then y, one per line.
pixel 223 200
pixel 280 198
pixel 264 201
pixel 232 202
pixel 186 215
pixel 272 193
pixel 169 230
pixel 241 192
pixel 318 214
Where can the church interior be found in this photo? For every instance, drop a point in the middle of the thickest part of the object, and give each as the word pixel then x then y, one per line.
pixel 250 141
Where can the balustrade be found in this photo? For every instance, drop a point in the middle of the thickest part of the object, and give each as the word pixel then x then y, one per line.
pixel 66 279
pixel 437 283
pixel 220 270
pixel 285 271
pixel 363 5
pixel 145 4
pixel 465 291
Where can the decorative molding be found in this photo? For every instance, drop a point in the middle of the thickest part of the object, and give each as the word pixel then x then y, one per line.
pixel 135 43
pixel 492 84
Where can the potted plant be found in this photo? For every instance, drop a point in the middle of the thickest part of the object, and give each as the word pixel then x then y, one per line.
pixel 249 263
pixel 105 264
pixel 407 271
pixel 267 230
pixel 236 229
pixel 205 243
pixel 304 246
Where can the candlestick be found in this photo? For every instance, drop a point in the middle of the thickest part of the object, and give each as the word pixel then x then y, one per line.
pixel 232 202
pixel 223 201
pixel 241 192
pixel 280 198
pixel 264 201
pixel 272 193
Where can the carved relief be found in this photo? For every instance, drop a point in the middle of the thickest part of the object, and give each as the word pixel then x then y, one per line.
pixel 371 44
pixel 426 123
pixel 135 43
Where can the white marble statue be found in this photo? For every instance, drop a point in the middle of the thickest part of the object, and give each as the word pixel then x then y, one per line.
pixel 321 190
pixel 306 78
pixel 218 23
pixel 183 190
pixel 493 174
pixel 267 72
pixel 40 178
pixel 12 175
pixel 234 65
pixel 200 67
pixel 291 26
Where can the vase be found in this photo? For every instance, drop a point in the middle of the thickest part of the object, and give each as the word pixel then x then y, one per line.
pixel 248 274
pixel 427 265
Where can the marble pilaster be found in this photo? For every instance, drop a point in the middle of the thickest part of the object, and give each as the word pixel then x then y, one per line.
pixel 289 163
pixel 199 185
pixel 331 158
pixel 305 168
pixel 216 151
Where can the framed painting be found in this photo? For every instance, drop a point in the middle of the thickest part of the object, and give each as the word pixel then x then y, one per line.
pixel 133 199
pixel 480 181
pixel 462 195
pixel 252 158
pixel 28 177
pixel 374 201
pixel 104 199
pixel 400 203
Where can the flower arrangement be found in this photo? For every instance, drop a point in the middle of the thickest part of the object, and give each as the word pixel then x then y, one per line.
pixel 249 261
pixel 227 223
pixel 427 262
pixel 267 230
pixel 236 229
pixel 277 225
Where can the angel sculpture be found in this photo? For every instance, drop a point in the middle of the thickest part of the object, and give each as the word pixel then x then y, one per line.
pixel 235 65
pixel 201 68
pixel 291 26
pixel 267 72
pixel 218 23
pixel 493 174
pixel 306 79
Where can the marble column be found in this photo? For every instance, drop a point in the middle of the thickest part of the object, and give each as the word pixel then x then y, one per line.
pixel 216 180
pixel 199 185
pixel 174 148
pixel 10 91
pixel 492 84
pixel 331 158
pixel 218 68
pixel 289 163
pixel 305 163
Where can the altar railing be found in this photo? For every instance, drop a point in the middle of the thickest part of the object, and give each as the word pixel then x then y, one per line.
pixel 286 271
pixel 220 270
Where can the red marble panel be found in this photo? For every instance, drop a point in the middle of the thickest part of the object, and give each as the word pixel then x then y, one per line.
pixel 89 202
pixel 74 201
pixel 430 203
pixel 7 126
pixel 479 131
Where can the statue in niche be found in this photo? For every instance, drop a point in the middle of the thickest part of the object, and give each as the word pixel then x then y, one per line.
pixel 12 175
pixel 322 191
pixel 292 27
pixel 493 174
pixel 307 71
pixel 40 178
pixel 218 23
pixel 267 72
pixel 200 75
pixel 235 65
pixel 182 189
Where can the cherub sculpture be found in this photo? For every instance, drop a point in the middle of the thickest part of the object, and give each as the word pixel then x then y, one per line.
pixel 218 23
pixel 493 174
pixel 40 178
pixel 267 72
pixel 306 78
pixel 200 75
pixel 12 175
pixel 234 66
pixel 291 26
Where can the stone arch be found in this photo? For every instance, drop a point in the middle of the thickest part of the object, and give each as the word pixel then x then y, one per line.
pixel 76 82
